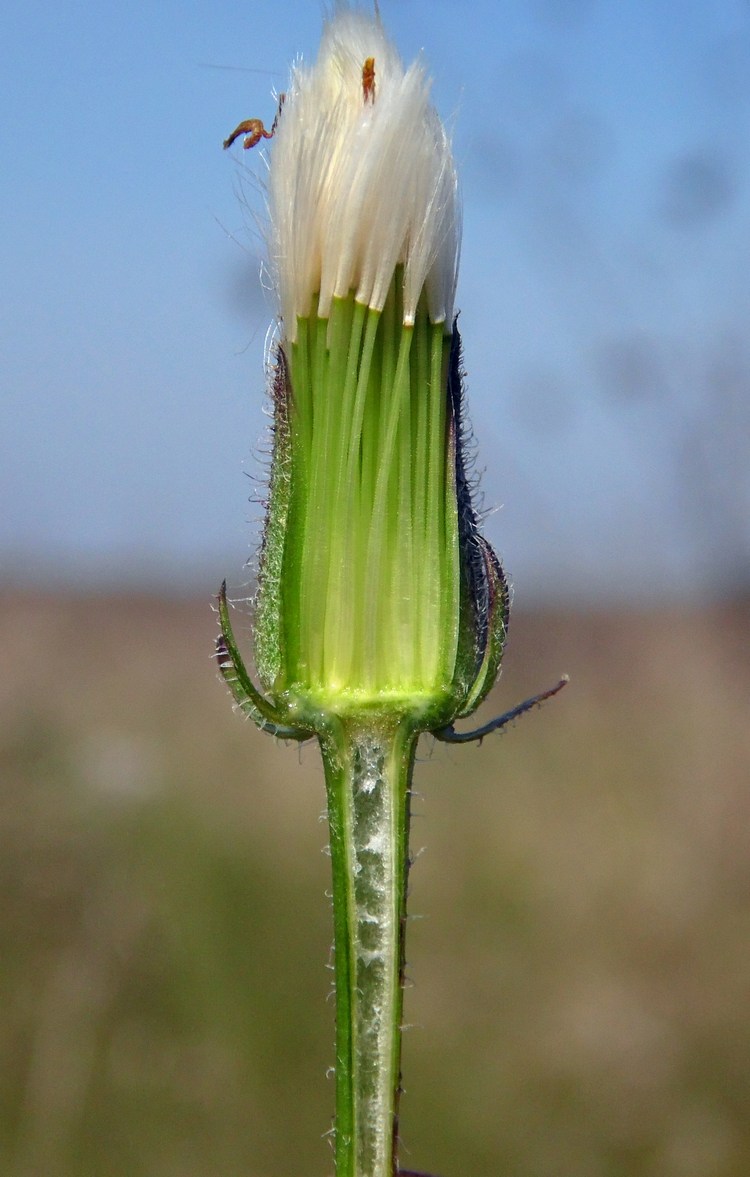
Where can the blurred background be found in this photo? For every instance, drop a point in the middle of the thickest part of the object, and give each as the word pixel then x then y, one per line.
pixel 581 984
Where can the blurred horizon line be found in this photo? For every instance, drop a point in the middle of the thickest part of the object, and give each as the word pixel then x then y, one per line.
pixel 167 576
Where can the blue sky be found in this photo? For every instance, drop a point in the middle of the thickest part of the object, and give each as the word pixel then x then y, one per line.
pixel 604 151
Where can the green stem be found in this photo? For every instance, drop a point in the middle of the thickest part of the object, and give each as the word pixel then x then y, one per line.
pixel 368 762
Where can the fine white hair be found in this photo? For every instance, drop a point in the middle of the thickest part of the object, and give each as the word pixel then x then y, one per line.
pixel 360 183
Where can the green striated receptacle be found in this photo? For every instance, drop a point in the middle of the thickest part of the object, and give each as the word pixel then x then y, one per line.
pixel 375 589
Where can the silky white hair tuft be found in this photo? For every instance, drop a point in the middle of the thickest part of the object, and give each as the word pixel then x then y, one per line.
pixel 361 181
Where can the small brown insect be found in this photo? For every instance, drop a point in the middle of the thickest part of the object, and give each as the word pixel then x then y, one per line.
pixel 368 79
pixel 253 130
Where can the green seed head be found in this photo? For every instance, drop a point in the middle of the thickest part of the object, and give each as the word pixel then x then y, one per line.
pixel 376 590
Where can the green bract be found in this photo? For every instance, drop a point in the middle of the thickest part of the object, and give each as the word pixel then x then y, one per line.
pixel 376 590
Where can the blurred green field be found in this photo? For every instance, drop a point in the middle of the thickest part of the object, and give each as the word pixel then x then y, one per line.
pixel 581 986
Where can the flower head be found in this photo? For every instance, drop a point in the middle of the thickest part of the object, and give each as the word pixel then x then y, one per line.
pixel 376 590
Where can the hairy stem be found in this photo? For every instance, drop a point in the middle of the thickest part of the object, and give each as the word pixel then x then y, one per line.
pixel 368 763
